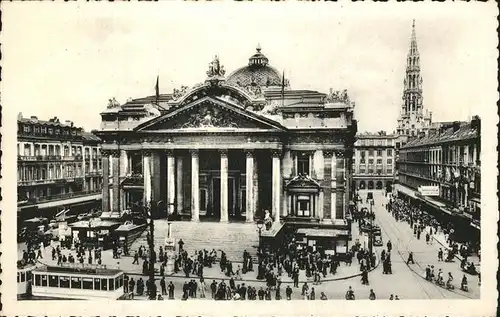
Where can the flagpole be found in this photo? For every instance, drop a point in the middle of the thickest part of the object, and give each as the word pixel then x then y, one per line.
pixel 283 90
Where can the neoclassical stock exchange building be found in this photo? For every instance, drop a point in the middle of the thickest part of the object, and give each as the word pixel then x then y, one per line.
pixel 230 149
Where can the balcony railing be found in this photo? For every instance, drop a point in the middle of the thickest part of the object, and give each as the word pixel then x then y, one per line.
pixel 39 158
pixel 62 196
pixel 47 181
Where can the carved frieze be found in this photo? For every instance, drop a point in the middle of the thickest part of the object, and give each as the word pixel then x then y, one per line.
pixel 318 138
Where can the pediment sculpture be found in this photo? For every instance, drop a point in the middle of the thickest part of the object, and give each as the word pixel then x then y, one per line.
pixel 210 117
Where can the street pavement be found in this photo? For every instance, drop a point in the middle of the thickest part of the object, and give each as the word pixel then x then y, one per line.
pixel 407 281
pixel 410 279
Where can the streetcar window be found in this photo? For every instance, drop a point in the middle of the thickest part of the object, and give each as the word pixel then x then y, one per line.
pixel 97 284
pixel 44 280
pixel 18 277
pixel 53 281
pixel 111 284
pixel 23 277
pixel 37 280
pixel 76 282
pixel 88 283
pixel 121 281
pixel 64 281
pixel 117 282
pixel 104 284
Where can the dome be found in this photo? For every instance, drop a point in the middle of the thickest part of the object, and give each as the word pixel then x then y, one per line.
pixel 257 73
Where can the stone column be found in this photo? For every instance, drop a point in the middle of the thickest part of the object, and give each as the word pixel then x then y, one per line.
pixel 179 187
pixel 333 212
pixel 340 181
pixel 224 217
pixel 123 163
pixel 195 186
pixel 276 185
pixel 255 185
pixel 320 205
pixel 105 181
pixel 146 173
pixel 171 182
pixel 249 187
pixel 116 181
pixel 327 190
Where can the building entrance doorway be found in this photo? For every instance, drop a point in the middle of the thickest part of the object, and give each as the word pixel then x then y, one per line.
pixel 215 210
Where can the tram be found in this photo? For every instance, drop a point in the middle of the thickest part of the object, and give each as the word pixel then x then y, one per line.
pixel 23 276
pixel 77 282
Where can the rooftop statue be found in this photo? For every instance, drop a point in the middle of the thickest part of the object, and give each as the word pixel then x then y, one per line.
pixel 112 103
pixel 215 69
pixel 338 96
pixel 178 93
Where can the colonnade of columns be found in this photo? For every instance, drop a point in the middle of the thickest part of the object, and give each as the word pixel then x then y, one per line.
pixel 174 168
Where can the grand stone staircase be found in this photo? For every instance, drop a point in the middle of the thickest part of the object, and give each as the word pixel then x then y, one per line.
pixel 232 238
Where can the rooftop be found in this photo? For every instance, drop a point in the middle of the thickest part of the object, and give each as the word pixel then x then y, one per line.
pixel 458 131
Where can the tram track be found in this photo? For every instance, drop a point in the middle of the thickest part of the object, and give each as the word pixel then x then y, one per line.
pixel 421 281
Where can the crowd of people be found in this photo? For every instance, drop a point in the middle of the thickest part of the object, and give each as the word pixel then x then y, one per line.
pixel 423 223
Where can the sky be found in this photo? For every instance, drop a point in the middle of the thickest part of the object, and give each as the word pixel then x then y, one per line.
pixel 67 60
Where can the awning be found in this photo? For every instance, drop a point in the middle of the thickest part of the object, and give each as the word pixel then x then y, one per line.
pixel 476 200
pixel 324 233
pixel 405 190
pixel 69 201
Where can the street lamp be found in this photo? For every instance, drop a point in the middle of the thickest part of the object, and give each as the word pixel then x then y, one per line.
pixel 370 235
pixel 151 244
pixel 260 225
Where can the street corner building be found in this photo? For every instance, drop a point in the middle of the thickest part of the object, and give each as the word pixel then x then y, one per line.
pixel 232 148
pixel 58 170
pixel 374 161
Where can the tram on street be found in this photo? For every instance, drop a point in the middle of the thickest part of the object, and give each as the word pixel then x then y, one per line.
pixel 77 281
pixel 23 276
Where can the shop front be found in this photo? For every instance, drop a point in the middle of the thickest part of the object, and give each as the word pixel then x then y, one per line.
pixel 328 241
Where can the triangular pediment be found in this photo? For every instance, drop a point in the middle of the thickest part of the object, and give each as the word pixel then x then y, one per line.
pixel 210 114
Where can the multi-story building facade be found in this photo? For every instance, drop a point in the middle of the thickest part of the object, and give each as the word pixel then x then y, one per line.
pixel 374 161
pixel 59 167
pixel 231 148
pixel 413 119
pixel 448 160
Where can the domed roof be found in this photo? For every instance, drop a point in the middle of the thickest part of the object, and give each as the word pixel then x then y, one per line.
pixel 257 73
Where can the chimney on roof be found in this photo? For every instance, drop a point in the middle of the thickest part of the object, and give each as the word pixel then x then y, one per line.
pixel 68 122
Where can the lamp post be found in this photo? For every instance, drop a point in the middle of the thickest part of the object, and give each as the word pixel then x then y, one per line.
pixel 151 244
pixel 370 235
pixel 260 225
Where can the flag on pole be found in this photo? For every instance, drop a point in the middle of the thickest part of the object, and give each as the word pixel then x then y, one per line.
pixel 157 88
pixel 283 89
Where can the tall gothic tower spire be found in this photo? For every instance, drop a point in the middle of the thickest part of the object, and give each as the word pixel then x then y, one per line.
pixel 412 118
pixel 412 94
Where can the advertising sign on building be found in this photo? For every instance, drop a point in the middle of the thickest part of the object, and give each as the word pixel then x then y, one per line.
pixel 428 190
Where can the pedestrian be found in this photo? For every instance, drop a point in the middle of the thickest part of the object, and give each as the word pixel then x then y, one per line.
pixel 163 286
pixel 440 254
pixel 410 258
pixel 372 295
pixel 288 292
pixel 136 258
pixel 391 297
